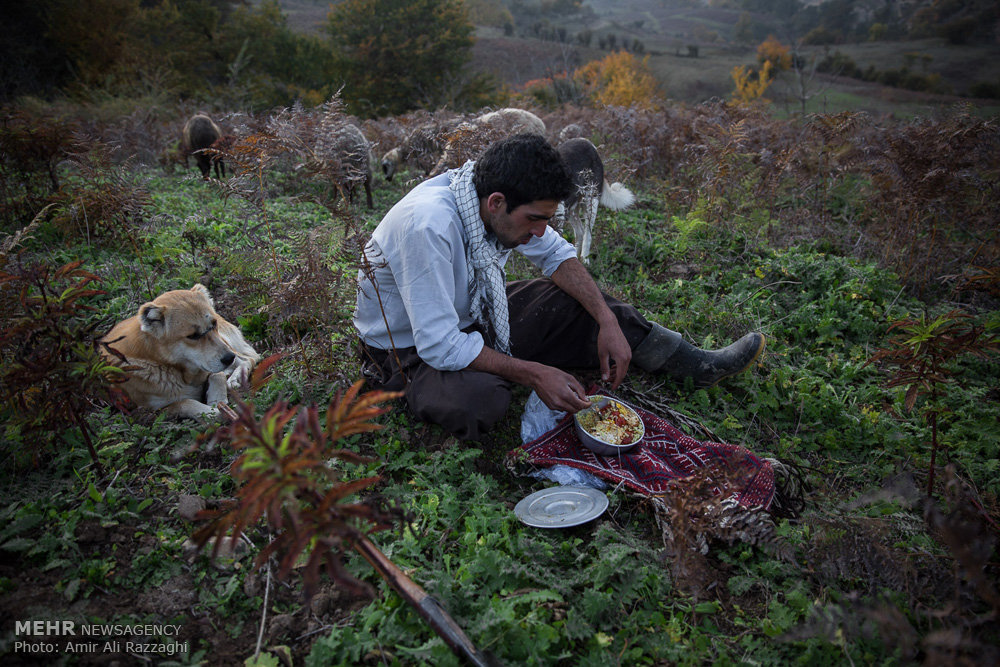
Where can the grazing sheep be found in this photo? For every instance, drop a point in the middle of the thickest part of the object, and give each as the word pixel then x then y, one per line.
pixel 422 147
pixel 200 132
pixel 471 138
pixel 571 131
pixel 592 187
pixel 354 152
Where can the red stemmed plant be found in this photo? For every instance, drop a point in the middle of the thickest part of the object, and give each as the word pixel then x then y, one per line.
pixel 287 479
pixel 924 353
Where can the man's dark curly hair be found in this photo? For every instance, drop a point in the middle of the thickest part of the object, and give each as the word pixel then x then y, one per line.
pixel 524 168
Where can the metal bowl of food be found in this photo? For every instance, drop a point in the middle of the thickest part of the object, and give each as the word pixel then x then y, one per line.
pixel 608 427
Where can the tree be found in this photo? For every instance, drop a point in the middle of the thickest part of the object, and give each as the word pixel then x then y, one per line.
pixel 30 61
pixel 803 86
pixel 93 35
pixel 183 37
pixel 490 12
pixel 620 79
pixel 773 51
pixel 748 87
pixel 400 55
pixel 279 65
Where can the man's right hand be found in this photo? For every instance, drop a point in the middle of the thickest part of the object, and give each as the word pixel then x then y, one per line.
pixel 559 390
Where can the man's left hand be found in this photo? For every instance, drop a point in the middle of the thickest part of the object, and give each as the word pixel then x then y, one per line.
pixel 613 347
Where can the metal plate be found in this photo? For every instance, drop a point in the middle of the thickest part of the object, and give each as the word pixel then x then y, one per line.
pixel 561 506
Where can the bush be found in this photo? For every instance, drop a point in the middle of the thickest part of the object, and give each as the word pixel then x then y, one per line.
pixel 52 367
pixel 31 146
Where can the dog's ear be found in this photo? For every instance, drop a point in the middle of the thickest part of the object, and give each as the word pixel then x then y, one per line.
pixel 151 318
pixel 198 287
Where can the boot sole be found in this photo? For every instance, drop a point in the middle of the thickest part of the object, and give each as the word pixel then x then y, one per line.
pixel 756 355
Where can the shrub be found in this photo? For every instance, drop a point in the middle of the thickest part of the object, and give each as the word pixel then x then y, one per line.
pixel 289 477
pixel 819 37
pixel 985 89
pixel 31 145
pixel 52 370
pixel 104 201
pixel 620 79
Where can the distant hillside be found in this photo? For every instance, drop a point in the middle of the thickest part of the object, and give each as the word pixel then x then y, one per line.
pixel 539 44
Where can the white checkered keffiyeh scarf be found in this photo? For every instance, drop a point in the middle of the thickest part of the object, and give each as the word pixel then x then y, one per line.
pixel 486 257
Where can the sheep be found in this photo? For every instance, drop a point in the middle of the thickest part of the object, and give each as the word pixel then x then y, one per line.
pixel 423 145
pixel 350 146
pixel 571 131
pixel 472 137
pixel 592 187
pixel 200 132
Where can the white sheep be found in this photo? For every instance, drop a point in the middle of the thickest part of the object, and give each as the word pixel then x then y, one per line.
pixel 472 137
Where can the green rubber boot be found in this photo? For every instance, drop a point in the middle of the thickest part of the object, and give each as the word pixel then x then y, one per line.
pixel 665 351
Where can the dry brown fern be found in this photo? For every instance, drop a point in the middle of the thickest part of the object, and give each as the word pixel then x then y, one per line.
pixel 701 508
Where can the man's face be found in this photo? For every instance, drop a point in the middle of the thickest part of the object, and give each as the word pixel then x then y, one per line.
pixel 517 227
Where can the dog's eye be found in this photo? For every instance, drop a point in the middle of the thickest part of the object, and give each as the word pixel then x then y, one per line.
pixel 195 336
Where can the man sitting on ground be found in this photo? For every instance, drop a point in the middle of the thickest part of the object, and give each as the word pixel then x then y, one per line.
pixel 438 321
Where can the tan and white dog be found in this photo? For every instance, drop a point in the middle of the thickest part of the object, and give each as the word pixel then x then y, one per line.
pixel 180 354
pixel 592 188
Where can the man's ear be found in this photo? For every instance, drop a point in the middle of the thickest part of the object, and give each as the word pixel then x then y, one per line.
pixel 151 318
pixel 496 202
pixel 198 287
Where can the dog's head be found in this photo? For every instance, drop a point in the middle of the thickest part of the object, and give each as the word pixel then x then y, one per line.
pixel 184 325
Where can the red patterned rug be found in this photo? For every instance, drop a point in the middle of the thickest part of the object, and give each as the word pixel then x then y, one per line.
pixel 663 458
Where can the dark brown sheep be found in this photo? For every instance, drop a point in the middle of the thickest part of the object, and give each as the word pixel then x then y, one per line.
pixel 200 132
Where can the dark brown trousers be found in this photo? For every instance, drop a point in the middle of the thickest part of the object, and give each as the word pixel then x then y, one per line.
pixel 546 325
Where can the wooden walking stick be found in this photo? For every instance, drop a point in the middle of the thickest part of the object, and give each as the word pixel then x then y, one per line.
pixel 429 608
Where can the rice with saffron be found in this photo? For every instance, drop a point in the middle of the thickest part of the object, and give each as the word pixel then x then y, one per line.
pixel 612 423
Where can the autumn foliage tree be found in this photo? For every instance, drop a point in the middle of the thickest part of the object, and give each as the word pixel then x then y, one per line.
pixel 751 84
pixel 400 55
pixel 619 79
pixel 773 51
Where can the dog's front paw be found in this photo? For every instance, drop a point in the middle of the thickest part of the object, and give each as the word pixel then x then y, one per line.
pixel 240 377
pixel 215 391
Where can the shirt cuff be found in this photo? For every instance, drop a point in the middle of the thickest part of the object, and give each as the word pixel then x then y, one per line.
pixel 455 353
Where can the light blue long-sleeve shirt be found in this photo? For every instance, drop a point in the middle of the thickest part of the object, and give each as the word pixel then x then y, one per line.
pixel 418 261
